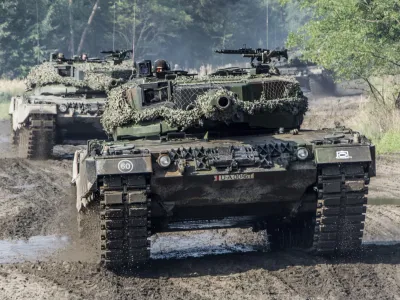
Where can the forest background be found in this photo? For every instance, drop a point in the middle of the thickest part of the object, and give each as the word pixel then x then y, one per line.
pixel 185 32
pixel 355 39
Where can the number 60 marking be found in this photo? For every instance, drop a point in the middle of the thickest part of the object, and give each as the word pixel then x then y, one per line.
pixel 125 166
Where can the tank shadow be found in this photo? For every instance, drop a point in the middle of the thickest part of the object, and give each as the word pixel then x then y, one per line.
pixel 234 263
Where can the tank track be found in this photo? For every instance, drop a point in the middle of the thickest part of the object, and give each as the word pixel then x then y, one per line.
pixel 341 208
pixel 125 225
pixel 36 140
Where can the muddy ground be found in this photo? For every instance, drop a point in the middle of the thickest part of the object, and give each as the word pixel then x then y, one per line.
pixel 41 256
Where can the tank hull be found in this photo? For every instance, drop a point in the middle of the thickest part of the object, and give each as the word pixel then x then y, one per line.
pixel 251 191
pixel 307 190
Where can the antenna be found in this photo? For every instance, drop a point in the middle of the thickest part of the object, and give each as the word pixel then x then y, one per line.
pixel 134 32
pixel 267 22
pixel 115 7
pixel 38 32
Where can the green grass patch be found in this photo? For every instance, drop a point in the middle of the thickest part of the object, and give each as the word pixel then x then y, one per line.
pixel 389 143
pixel 4 110
pixel 5 97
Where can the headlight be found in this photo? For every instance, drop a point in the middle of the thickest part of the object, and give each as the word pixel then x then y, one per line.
pixel 164 161
pixel 63 108
pixel 302 153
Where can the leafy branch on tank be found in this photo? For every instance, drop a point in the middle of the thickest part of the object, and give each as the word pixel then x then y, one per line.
pixel 216 105
pixel 101 75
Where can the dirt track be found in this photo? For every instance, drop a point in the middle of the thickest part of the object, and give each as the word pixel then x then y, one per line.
pixel 35 200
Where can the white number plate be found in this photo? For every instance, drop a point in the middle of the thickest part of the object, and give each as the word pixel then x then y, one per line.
pixel 233 177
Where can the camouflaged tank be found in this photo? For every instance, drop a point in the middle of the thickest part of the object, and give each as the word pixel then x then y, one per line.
pixel 224 150
pixel 312 78
pixel 64 101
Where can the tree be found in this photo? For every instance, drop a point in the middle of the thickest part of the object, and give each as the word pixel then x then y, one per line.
pixel 353 38
pixel 23 29
pixel 182 31
pixel 84 33
pixel 151 23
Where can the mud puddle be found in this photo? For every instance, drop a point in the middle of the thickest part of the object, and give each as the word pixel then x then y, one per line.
pixel 33 249
pixel 165 246
pixel 208 242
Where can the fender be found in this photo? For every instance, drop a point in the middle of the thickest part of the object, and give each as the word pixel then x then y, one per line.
pixel 84 177
pixel 22 111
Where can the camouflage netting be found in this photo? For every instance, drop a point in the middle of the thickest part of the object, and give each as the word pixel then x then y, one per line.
pixel 119 112
pixel 98 76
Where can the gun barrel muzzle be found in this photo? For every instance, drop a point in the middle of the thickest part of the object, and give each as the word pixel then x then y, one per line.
pixel 114 83
pixel 222 102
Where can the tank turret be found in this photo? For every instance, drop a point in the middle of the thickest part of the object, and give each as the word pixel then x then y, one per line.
pixel 64 101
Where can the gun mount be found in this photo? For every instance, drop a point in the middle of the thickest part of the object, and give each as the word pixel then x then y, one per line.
pixel 263 56
pixel 118 56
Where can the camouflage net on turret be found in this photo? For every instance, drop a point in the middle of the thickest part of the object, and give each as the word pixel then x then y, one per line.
pixel 98 76
pixel 119 112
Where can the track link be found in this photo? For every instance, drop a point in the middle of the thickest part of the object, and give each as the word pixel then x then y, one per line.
pixel 36 140
pixel 125 222
pixel 341 208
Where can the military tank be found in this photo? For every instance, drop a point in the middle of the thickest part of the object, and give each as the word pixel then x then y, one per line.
pixel 64 101
pixel 312 78
pixel 221 151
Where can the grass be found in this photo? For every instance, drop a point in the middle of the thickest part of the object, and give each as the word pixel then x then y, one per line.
pixel 379 118
pixel 13 87
pixel 4 110
pixel 389 143
pixel 8 89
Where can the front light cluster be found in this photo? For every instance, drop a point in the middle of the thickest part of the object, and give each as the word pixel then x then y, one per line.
pixel 63 108
pixel 302 153
pixel 164 161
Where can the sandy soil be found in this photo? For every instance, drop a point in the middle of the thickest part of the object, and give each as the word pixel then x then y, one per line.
pixel 35 200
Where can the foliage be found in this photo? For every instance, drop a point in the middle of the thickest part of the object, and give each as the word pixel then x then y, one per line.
pixel 353 38
pixel 4 110
pixel 390 142
pixel 378 119
pixel 184 32
pixel 11 88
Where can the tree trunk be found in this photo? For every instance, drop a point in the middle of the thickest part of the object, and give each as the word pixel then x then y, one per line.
pixel 83 37
pixel 71 30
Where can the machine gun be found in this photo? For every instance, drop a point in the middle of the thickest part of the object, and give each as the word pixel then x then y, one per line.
pixel 263 56
pixel 118 55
